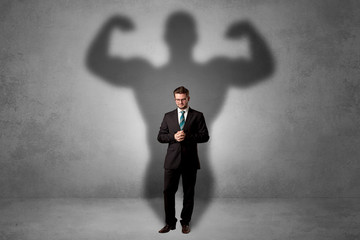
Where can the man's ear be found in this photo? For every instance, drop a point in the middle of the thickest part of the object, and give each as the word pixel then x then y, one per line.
pixel 188 98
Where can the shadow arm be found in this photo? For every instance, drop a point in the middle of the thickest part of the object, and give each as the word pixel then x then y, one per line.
pixel 114 70
pixel 260 64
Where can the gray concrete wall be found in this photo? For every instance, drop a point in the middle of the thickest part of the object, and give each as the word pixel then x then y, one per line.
pixel 65 132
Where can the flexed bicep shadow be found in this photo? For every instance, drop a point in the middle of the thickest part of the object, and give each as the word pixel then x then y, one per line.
pixel 208 84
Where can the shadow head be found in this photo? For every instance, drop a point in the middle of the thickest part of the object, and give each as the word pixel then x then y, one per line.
pixel 180 31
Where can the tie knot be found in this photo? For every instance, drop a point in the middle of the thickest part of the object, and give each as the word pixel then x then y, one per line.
pixel 182 112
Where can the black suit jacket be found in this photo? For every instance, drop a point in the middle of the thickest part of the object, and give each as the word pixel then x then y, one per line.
pixel 184 152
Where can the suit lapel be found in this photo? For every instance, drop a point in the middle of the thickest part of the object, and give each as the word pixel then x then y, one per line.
pixel 176 119
pixel 188 118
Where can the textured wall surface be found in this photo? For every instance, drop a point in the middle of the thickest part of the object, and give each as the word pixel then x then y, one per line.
pixel 65 132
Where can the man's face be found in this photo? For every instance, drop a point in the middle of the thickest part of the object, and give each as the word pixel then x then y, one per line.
pixel 181 100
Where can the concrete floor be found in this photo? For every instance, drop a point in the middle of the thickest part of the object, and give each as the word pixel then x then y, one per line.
pixel 240 219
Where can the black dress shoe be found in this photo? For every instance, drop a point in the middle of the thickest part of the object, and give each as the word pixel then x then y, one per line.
pixel 167 228
pixel 185 229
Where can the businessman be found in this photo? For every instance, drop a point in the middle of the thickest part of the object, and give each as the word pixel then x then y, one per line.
pixel 182 128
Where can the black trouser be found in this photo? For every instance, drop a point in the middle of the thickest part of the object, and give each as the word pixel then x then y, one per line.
pixel 171 183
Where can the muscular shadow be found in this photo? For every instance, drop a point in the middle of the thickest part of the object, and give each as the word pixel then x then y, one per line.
pixel 208 84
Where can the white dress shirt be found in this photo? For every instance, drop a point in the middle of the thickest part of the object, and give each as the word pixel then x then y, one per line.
pixel 185 113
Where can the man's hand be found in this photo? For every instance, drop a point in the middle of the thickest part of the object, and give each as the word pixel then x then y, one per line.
pixel 180 136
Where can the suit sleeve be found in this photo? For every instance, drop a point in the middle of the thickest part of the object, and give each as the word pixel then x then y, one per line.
pixel 201 135
pixel 164 136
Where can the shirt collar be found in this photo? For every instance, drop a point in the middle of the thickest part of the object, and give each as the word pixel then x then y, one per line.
pixel 186 110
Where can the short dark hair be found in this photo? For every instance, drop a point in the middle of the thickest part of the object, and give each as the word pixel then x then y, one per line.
pixel 181 90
